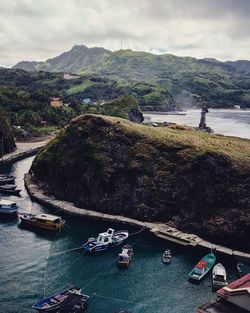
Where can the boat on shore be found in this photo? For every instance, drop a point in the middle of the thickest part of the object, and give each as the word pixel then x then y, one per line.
pixel 10 190
pixel 6 179
pixel 243 268
pixel 166 256
pixel 45 221
pixel 106 240
pixel 125 257
pixel 219 277
pixel 8 207
pixel 202 267
pixel 63 300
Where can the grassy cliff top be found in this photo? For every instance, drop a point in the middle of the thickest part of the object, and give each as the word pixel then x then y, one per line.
pixel 196 142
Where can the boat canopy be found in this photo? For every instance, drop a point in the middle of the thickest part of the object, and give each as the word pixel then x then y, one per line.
pixel 201 264
pixel 48 217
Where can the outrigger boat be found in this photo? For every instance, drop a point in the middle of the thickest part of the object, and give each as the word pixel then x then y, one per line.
pixel 166 256
pixel 61 300
pixel 219 277
pixel 243 269
pixel 202 267
pixel 125 257
pixel 8 207
pixel 45 221
pixel 106 240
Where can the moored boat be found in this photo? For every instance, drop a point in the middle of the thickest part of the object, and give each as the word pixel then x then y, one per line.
pixel 75 304
pixel 125 257
pixel 6 189
pixel 6 179
pixel 8 207
pixel 243 268
pixel 202 267
pixel 60 300
pixel 219 276
pixel 106 240
pixel 166 256
pixel 45 221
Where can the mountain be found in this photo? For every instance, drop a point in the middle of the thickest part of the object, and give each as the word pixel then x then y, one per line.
pixel 189 80
pixel 196 180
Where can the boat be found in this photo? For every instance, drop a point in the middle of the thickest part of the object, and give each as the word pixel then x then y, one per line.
pixel 8 207
pixel 106 240
pixel 60 300
pixel 125 257
pixel 45 221
pixel 5 179
pixel 166 256
pixel 243 268
pixel 9 186
pixel 75 304
pixel 202 267
pixel 219 277
pixel 10 190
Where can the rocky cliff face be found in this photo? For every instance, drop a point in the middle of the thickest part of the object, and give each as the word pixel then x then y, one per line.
pixel 7 143
pixel 198 181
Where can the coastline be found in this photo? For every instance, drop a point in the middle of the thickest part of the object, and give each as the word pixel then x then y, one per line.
pixel 160 230
pixel 23 150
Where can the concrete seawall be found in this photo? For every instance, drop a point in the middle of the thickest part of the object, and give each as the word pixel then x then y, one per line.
pixel 160 230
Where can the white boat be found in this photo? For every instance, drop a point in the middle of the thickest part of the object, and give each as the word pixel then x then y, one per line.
pixel 219 276
pixel 106 240
pixel 8 207
pixel 166 256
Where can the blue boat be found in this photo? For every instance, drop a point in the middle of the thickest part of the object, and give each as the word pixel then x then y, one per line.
pixel 60 300
pixel 106 240
pixel 8 207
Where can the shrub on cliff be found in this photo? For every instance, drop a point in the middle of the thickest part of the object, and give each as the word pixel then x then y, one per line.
pixel 7 143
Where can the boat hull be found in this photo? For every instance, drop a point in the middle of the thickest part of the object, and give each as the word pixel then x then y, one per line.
pixel 36 224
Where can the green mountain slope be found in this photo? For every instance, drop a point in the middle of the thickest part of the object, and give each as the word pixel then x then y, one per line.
pixel 189 80
pixel 7 143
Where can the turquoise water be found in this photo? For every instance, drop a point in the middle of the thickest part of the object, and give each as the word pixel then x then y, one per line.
pixel 28 268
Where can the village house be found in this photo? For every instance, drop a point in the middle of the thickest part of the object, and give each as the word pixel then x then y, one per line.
pixel 56 102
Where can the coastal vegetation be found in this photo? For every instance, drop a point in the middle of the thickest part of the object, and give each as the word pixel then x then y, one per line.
pixel 7 143
pixel 188 81
pixel 197 181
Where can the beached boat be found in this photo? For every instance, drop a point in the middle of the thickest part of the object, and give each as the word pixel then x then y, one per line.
pixel 106 240
pixel 166 256
pixel 243 268
pixel 125 257
pixel 10 190
pixel 45 221
pixel 5 179
pixel 219 276
pixel 8 207
pixel 202 267
pixel 60 300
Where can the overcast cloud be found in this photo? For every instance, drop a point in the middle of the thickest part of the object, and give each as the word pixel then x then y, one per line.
pixel 40 29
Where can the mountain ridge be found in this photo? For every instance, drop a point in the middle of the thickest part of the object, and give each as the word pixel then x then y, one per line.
pixel 189 80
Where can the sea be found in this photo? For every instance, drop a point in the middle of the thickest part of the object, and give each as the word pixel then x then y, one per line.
pixel 36 263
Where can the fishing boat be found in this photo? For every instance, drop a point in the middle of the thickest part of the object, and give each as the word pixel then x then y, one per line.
pixel 202 267
pixel 10 190
pixel 166 256
pixel 8 207
pixel 60 300
pixel 45 221
pixel 125 257
pixel 219 277
pixel 6 179
pixel 75 304
pixel 106 240
pixel 243 268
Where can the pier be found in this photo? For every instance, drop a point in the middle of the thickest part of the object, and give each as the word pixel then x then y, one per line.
pixel 160 230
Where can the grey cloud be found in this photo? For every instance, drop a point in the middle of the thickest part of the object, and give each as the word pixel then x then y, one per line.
pixel 37 30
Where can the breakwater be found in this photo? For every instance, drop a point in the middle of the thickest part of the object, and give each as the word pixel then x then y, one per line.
pixel 160 230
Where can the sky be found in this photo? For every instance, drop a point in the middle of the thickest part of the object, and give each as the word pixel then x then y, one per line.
pixel 36 30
